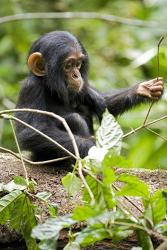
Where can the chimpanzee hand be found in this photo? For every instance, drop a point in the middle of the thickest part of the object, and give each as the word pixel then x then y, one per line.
pixel 152 89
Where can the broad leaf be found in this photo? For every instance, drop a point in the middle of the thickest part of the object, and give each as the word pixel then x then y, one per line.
pixel 51 228
pixel 82 213
pixel 23 220
pixel 72 246
pixel 155 208
pixel 158 207
pixel 133 187
pixel 10 186
pixel 72 183
pixel 53 209
pixel 7 203
pixel 43 195
pixel 19 180
pixel 95 188
pixel 16 208
pixel 108 175
pixel 144 240
pixel 111 159
pixel 109 135
pixel 89 236
pixel 96 153
pixel 49 231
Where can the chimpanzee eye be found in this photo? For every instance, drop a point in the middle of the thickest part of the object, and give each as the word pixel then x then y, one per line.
pixel 78 64
pixel 68 65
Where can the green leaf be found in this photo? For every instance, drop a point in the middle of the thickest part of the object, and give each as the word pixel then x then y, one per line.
pixel 81 213
pixel 32 186
pixel 11 186
pixel 48 244
pixel 103 194
pixel 72 246
pixel 133 187
pixel 155 207
pixel 164 193
pixel 7 203
pixel 162 228
pixel 102 219
pixel 89 236
pixel 111 159
pixel 72 183
pixel 43 195
pixel 19 180
pixel 51 228
pixel 95 188
pixel 16 208
pixel 23 220
pixel 144 240
pixel 105 225
pixel 158 207
pixel 53 209
pixel 108 197
pixel 108 175
pixel 48 232
pixel 109 135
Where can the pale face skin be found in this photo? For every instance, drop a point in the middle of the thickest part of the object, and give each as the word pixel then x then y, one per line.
pixel 72 67
pixel 152 89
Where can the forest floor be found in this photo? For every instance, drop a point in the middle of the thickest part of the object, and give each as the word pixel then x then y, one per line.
pixel 48 178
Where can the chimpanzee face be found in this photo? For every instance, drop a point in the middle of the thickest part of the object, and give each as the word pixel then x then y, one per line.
pixel 71 69
pixel 60 57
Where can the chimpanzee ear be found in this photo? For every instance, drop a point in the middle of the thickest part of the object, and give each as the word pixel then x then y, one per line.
pixel 36 64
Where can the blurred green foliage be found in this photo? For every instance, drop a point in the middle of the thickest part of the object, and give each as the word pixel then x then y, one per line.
pixel 120 55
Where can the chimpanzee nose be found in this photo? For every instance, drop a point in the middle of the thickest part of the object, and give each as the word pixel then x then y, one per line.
pixel 75 75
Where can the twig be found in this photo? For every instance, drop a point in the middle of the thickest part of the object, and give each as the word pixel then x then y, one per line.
pixel 61 119
pixel 128 199
pixel 76 156
pixel 144 126
pixel 48 114
pixel 162 137
pixel 8 117
pixel 32 162
pixel 84 181
pixel 159 43
pixel 83 15
pixel 149 110
pixel 18 147
pixel 145 120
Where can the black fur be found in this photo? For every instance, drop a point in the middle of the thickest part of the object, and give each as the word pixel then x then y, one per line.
pixel 50 93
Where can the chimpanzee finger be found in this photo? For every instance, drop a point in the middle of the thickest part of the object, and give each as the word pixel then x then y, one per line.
pixel 155 80
pixel 159 82
pixel 155 98
pixel 156 88
pixel 156 94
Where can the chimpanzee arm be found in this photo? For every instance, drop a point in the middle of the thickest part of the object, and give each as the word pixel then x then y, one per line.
pixel 95 101
pixel 119 101
pixel 116 101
